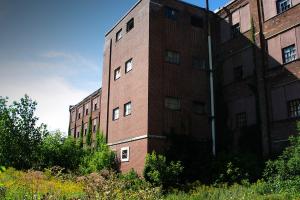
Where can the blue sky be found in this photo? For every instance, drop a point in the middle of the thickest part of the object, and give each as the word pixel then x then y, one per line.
pixel 52 50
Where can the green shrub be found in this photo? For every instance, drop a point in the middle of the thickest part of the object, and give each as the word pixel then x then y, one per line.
pixel 160 173
pixel 59 151
pixel 102 157
pixel 2 169
pixel 287 166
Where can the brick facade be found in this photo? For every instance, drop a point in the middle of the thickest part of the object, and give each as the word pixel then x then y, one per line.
pixel 155 78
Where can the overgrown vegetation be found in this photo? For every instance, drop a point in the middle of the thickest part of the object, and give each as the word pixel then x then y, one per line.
pixel 50 166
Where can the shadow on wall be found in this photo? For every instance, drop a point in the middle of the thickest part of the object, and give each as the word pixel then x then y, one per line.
pixel 257 84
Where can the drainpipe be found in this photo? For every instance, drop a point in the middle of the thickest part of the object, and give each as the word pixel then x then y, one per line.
pixel 211 82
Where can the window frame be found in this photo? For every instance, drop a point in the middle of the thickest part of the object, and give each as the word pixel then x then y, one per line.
pixel 197 21
pixel 128 61
pixel 199 103
pixel 115 73
pixel 128 154
pixel 126 104
pixel 241 122
pixel 293 56
pixel 172 98
pixel 279 6
pixel 174 60
pixel 171 13
pixel 235 30
pixel 119 35
pixel 130 25
pixel 198 63
pixel 293 107
pixel 114 110
pixel 238 73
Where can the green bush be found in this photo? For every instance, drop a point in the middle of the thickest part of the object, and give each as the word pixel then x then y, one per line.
pixel 283 174
pixel 59 151
pixel 159 172
pixel 287 166
pixel 99 158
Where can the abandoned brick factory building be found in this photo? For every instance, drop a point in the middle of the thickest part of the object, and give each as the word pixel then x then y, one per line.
pixel 156 78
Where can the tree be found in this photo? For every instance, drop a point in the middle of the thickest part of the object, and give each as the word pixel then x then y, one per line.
pixel 20 136
pixel 89 133
pixel 81 135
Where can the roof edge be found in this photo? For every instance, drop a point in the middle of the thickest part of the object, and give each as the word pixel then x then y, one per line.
pixel 221 8
pixel 119 21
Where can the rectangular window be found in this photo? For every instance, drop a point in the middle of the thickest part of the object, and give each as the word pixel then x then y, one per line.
pixel 130 25
pixel 85 132
pixel 128 66
pixel 117 74
pixel 198 63
pixel 95 106
pixel 241 120
pixel 124 154
pixel 283 5
pixel 78 134
pixel 172 103
pixel 119 35
pixel 235 30
pixel 94 125
pixel 127 109
pixel 171 13
pixel 289 54
pixel 79 116
pixel 238 73
pixel 197 21
pixel 199 108
pixel 294 108
pixel 116 113
pixel 86 111
pixel 172 57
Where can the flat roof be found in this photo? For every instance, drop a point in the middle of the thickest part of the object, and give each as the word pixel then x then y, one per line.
pixel 221 8
pixel 137 3
pixel 86 98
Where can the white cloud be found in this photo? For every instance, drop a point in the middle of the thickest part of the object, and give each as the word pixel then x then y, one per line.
pixel 53 94
pixel 48 82
pixel 71 58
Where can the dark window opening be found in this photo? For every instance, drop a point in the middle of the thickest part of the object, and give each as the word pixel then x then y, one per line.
pixel 241 120
pixel 289 54
pixel 235 30
pixel 171 13
pixel 86 111
pixel 172 57
pixel 294 108
pixel 94 128
pixel 238 73
pixel 198 63
pixel 199 108
pixel 119 35
pixel 85 131
pixel 197 21
pixel 283 5
pixel 130 25
pixel 172 103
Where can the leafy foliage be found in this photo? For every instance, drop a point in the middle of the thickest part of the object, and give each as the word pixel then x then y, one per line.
pixel 160 173
pixel 283 174
pixel 107 185
pixel 59 151
pixel 101 157
pixel 89 133
pixel 20 136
